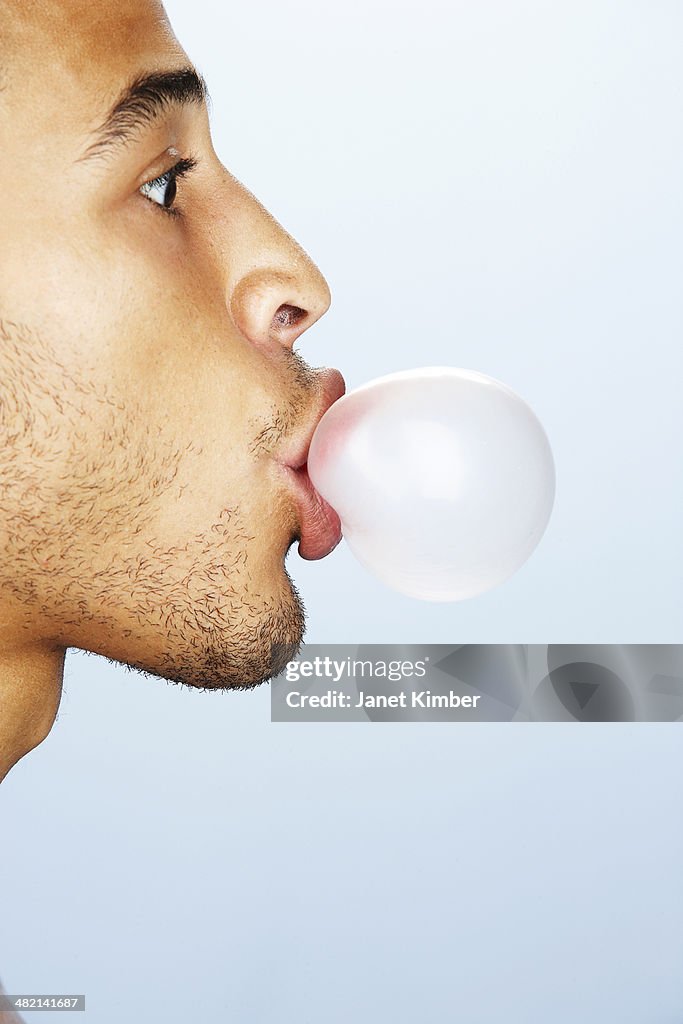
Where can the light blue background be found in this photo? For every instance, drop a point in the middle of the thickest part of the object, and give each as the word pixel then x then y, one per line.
pixel 495 186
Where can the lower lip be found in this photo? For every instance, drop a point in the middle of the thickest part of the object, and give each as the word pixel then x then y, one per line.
pixel 320 525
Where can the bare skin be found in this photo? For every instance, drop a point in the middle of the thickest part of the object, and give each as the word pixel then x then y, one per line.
pixel 9 1016
pixel 150 394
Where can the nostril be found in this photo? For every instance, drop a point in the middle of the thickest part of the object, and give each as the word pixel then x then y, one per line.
pixel 287 316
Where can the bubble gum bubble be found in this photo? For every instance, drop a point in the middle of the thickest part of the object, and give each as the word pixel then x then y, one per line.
pixel 443 479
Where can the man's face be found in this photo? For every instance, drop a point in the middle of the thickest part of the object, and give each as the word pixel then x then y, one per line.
pixel 150 400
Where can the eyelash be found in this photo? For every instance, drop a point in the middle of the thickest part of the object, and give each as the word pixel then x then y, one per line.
pixel 179 170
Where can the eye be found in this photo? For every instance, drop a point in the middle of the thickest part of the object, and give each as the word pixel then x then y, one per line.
pixel 162 190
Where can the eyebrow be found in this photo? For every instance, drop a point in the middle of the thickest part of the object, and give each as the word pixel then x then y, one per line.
pixel 143 103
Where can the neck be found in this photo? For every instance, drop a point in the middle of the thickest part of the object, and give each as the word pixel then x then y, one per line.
pixel 31 677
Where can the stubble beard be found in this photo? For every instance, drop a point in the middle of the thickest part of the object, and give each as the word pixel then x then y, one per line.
pixel 189 615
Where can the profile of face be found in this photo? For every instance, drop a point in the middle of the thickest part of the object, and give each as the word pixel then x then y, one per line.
pixel 153 413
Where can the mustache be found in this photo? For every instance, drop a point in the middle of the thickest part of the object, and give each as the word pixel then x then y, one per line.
pixel 302 389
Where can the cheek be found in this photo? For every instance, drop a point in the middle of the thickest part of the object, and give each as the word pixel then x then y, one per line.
pixel 80 301
pixel 99 282
pixel 140 344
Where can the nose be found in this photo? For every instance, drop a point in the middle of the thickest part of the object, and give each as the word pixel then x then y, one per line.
pixel 276 291
pixel 273 307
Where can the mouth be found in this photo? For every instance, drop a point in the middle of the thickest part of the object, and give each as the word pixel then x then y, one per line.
pixel 319 525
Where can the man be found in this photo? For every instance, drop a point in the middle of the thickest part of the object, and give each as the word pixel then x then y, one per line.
pixel 154 419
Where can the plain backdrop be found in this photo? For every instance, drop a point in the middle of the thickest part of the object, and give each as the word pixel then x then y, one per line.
pixel 495 186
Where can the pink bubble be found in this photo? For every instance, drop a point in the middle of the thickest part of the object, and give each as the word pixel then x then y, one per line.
pixel 443 479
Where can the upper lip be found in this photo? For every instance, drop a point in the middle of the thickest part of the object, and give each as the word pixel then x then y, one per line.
pixel 332 387
pixel 319 528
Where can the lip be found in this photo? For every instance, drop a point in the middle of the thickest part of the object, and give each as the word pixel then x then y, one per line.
pixel 320 526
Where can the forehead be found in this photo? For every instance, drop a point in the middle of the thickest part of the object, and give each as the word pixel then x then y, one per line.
pixel 78 54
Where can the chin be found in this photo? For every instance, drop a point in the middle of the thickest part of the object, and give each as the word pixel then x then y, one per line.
pixel 275 640
pixel 234 655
